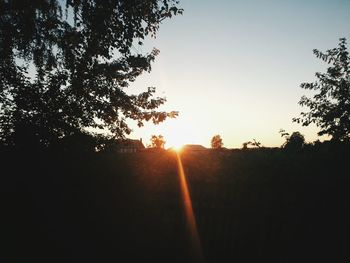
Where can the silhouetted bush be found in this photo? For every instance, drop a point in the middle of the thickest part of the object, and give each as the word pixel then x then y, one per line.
pixel 294 142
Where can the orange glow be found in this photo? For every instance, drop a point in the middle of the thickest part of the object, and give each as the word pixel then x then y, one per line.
pixel 190 217
pixel 177 148
pixel 175 142
pixel 178 133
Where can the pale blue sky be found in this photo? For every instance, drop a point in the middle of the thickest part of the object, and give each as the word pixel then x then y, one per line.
pixel 234 67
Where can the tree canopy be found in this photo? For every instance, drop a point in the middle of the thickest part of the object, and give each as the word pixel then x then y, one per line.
pixel 216 142
pixel 65 66
pixel 294 141
pixel 329 109
pixel 157 141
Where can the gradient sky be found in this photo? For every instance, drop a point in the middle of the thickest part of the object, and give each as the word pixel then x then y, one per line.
pixel 234 68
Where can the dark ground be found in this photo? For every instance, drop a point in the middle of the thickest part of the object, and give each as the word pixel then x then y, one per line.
pixel 255 205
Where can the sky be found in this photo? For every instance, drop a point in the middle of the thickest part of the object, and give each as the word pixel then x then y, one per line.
pixel 234 68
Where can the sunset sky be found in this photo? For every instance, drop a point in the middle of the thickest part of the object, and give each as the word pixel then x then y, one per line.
pixel 234 68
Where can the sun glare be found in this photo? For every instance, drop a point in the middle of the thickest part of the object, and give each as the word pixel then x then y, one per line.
pixel 178 133
pixel 177 148
pixel 176 138
pixel 175 141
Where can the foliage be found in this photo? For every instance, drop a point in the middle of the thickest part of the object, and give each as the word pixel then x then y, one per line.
pixel 65 67
pixel 216 142
pixel 157 142
pixel 330 107
pixel 253 143
pixel 295 141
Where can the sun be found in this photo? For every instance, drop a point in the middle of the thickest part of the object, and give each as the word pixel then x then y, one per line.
pixel 177 147
pixel 178 133
pixel 175 139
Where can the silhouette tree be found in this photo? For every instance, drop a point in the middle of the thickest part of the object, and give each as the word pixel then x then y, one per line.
pixel 216 142
pixel 253 143
pixel 295 141
pixel 330 107
pixel 157 141
pixel 81 57
pixel 245 145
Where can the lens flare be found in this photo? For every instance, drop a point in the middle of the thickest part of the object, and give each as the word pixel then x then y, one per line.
pixel 189 214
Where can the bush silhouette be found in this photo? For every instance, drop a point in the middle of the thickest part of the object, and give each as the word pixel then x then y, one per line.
pixel 295 141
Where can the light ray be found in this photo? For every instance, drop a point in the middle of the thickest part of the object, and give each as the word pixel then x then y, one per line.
pixel 189 214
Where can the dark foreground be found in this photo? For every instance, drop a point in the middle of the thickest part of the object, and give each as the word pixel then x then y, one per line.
pixel 251 206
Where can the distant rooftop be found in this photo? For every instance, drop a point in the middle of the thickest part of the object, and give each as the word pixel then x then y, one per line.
pixel 129 146
pixel 194 147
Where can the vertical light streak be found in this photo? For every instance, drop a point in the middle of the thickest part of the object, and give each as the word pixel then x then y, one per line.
pixel 189 214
